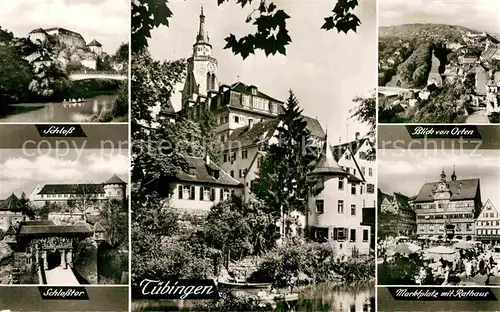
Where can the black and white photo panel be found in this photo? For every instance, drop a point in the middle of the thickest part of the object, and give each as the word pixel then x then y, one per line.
pixel 64 204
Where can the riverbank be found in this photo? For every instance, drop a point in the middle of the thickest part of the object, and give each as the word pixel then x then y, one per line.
pixel 320 297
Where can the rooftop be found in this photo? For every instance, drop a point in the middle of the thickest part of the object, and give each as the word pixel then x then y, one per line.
pixel 94 43
pixel 460 190
pixel 12 203
pixel 202 172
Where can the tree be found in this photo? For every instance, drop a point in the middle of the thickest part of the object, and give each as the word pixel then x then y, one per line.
pixel 16 75
pixel 283 184
pixel 271 35
pixel 365 112
pixel 153 152
pixel 120 106
pixel 5 36
pixel 115 222
pixel 121 54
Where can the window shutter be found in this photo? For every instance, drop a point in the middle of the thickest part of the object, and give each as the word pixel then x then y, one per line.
pixel 212 194
pixel 193 193
pixel 335 233
pixel 180 191
pixel 221 198
pixel 201 193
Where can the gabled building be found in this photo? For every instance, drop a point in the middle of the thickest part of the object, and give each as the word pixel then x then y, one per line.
pixel 241 153
pixel 455 201
pixel 395 215
pixel 202 185
pixel 357 157
pixel 113 188
pixel 95 47
pixel 488 224
pixel 12 212
pixel 335 213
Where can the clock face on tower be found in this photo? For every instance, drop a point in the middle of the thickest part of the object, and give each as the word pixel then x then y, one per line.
pixel 210 67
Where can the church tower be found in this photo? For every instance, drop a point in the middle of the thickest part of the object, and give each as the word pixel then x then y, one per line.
pixel 201 68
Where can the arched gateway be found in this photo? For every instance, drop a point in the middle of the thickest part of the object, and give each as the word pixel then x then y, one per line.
pixel 49 246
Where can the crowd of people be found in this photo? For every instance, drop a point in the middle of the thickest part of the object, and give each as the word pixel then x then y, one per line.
pixel 439 262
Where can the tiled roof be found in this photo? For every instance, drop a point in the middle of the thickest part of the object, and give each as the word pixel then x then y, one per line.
pixel 115 180
pixel 327 165
pixel 72 189
pixel 490 52
pixel 201 172
pixel 55 229
pixel 460 190
pixel 245 89
pixel 354 146
pixel 314 127
pixel 94 43
pixel 258 133
pixel 38 31
pixel 64 31
pixel 263 131
pixel 402 201
pixel 37 222
pixel 12 203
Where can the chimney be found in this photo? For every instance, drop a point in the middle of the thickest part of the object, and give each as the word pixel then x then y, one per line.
pixel 357 136
pixel 250 123
pixel 207 159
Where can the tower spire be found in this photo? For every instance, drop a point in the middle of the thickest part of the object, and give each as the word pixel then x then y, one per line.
pixel 453 175
pixel 443 176
pixel 201 37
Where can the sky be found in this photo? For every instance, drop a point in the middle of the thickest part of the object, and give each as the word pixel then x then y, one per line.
pixel 107 21
pixel 22 170
pixel 325 69
pixel 416 167
pixel 480 15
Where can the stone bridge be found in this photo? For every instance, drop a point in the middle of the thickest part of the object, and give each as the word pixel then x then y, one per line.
pixel 96 75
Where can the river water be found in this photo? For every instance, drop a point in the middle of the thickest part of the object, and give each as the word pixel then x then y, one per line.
pixel 59 112
pixel 321 297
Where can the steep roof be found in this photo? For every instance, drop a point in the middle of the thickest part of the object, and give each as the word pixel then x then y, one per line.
pixel 491 51
pixel 94 43
pixel 12 203
pixel 246 89
pixel 263 131
pixel 11 231
pixel 460 190
pixel 259 132
pixel 314 127
pixel 72 189
pixel 202 172
pixel 327 165
pixel 115 180
pixel 38 31
pixel 402 201
pixel 353 146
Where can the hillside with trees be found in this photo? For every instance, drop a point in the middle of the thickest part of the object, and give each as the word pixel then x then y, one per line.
pixel 425 32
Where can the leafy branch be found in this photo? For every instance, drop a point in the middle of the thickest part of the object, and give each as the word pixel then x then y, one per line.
pixel 271 35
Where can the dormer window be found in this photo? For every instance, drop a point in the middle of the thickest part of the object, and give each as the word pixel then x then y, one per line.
pixel 216 174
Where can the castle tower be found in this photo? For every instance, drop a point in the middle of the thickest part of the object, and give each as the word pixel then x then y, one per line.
pixel 453 175
pixel 201 69
pixel 115 188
